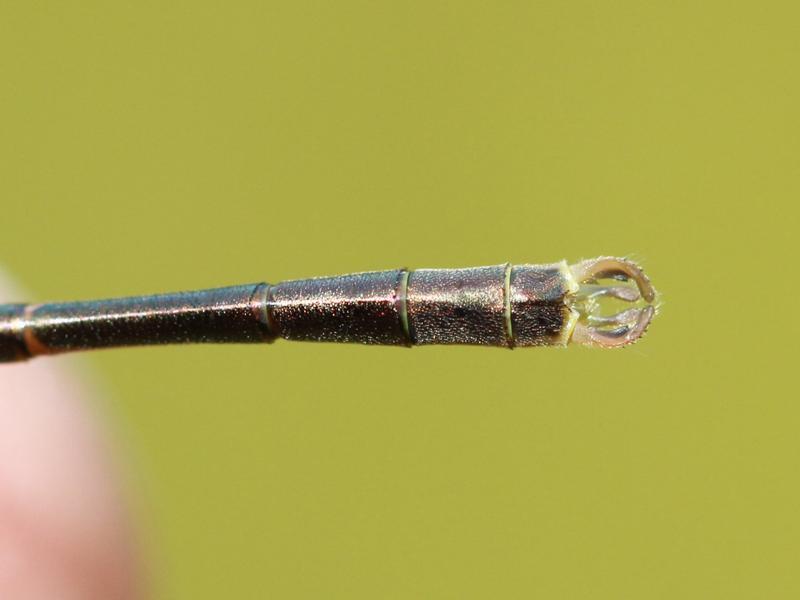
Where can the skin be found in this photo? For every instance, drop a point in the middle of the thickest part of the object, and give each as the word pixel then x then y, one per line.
pixel 65 530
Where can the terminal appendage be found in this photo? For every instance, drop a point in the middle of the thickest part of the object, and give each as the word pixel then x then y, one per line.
pixel 611 282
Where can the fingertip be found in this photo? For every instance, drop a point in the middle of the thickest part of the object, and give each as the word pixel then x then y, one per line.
pixel 65 526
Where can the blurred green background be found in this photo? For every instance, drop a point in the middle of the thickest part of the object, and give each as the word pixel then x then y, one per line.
pixel 155 146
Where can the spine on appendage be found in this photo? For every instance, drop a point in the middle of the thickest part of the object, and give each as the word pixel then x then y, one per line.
pixel 503 305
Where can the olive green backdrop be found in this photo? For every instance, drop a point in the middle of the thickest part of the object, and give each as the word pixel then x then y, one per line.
pixel 155 146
